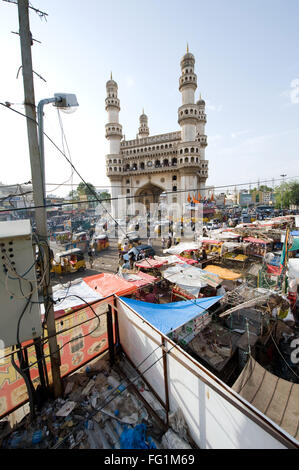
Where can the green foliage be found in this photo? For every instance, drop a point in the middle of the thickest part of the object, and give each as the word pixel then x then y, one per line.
pixel 104 195
pixel 287 194
pixel 83 190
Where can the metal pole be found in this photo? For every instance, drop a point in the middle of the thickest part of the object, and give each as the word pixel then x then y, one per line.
pixel 37 185
pixel 40 119
pixel 282 188
pixel 110 335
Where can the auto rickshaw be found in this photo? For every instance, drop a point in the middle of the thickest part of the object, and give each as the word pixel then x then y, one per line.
pixel 63 237
pixel 69 261
pixel 100 242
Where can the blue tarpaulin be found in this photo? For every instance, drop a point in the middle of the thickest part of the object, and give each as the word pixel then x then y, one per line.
pixel 168 317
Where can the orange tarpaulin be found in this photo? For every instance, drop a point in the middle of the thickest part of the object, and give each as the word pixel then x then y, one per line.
pixel 150 263
pixel 107 284
pixel 223 273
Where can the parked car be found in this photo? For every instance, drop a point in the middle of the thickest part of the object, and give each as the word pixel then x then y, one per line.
pixel 136 250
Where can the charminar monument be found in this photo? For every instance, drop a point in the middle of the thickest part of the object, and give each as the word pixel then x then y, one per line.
pixel 145 167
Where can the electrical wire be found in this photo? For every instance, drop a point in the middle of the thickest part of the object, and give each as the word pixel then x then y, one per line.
pixel 129 197
pixel 28 383
pixel 63 139
pixel 21 316
pixel 276 346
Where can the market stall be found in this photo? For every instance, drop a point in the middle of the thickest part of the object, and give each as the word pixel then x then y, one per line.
pixel 188 281
pixel 257 246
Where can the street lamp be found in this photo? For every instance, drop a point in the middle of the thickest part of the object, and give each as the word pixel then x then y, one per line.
pixel 61 101
pixel 283 176
pixel 66 102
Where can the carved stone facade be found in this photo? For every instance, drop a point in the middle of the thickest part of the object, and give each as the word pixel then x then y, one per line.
pixel 142 168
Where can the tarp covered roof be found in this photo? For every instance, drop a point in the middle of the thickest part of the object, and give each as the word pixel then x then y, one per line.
pixel 184 246
pixel 168 317
pixel 275 397
pixel 106 284
pixel 295 245
pixel 175 259
pixel 73 295
pixel 140 279
pixel 150 263
pixel 227 235
pixel 256 240
pixel 190 278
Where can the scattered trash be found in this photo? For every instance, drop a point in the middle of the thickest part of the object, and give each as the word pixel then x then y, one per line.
pixel 66 409
pixel 98 413
pixel 88 387
pixel 136 438
pixel 172 440
pixel 178 423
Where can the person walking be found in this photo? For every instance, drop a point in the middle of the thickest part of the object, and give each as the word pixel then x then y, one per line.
pixel 169 242
pixel 90 257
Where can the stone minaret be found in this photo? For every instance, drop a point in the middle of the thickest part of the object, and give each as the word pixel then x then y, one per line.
pixel 191 118
pixel 114 136
pixel 143 130
pixel 187 118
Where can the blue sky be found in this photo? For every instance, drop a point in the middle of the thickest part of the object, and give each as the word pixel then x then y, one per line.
pixel 247 65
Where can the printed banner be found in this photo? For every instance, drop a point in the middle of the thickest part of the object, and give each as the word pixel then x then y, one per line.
pixel 84 339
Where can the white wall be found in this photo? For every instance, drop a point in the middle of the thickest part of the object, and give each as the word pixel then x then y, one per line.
pixel 214 422
pixel 188 132
pixel 114 145
pixel 113 115
pixel 188 95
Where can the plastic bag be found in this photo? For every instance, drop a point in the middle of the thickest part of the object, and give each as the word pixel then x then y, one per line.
pixel 135 438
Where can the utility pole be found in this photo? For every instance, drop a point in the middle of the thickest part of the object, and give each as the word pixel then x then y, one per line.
pixel 37 186
pixel 282 189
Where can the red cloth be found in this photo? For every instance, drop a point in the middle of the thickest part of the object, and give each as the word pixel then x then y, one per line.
pixel 273 269
pixel 150 297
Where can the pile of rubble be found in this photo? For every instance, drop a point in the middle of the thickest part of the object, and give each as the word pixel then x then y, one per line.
pixel 100 410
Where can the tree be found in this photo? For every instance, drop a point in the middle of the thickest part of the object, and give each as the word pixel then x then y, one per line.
pixel 104 195
pixel 83 190
pixel 294 193
pixel 286 194
pixel 86 190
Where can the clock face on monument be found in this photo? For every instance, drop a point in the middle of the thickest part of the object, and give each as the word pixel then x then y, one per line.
pixel 149 163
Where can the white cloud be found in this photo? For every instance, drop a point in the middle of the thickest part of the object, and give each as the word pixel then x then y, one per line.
pixel 212 107
pixel 214 138
pixel 294 93
pixel 234 135
pixel 130 82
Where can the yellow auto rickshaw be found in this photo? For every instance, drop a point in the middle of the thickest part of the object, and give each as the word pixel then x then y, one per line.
pixel 101 242
pixel 63 237
pixel 69 261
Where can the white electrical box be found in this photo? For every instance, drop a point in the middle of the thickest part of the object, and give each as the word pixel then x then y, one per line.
pixel 19 318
